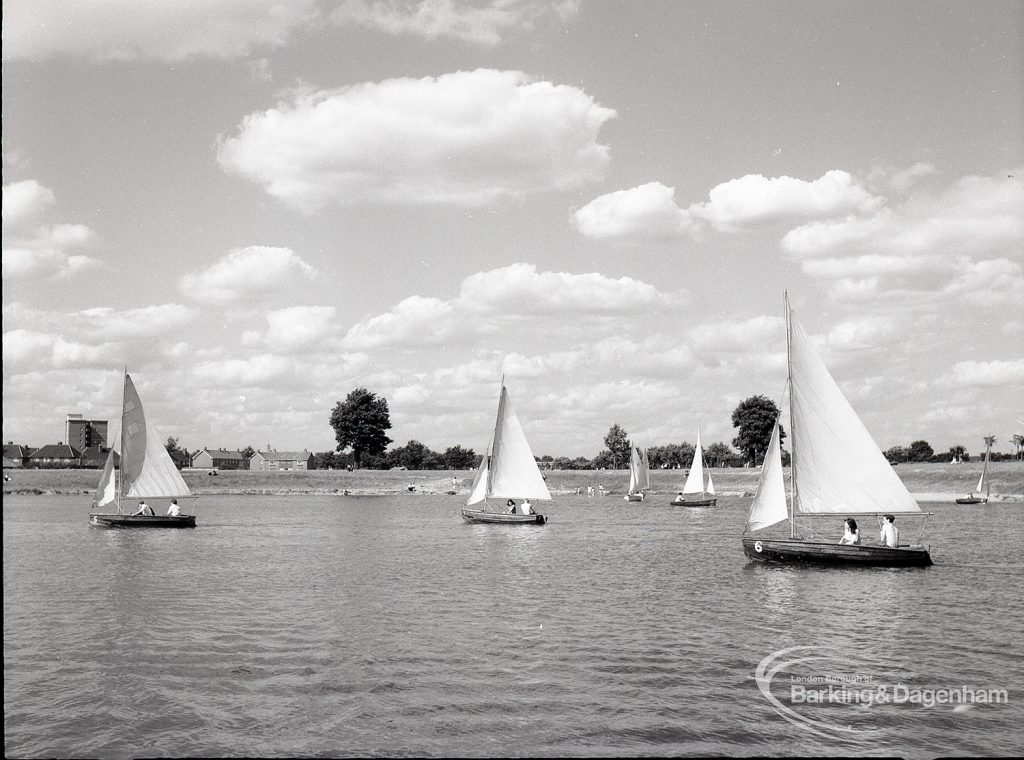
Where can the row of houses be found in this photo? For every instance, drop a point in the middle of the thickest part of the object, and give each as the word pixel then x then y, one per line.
pixel 63 455
pixel 54 455
pixel 225 459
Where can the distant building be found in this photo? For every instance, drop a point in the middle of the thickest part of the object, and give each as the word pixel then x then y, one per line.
pixel 219 459
pixel 281 460
pixel 94 457
pixel 83 434
pixel 55 455
pixel 16 455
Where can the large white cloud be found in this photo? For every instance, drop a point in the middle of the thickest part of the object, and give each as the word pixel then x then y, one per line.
pixel 245 273
pixel 516 295
pixel 24 201
pixel 465 138
pixel 649 212
pixel 150 29
pixel 483 23
pixel 32 249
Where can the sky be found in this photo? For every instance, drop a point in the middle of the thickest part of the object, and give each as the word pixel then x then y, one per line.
pixel 257 206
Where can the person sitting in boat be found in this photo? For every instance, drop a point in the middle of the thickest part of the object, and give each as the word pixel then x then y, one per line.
pixel 511 506
pixel 679 496
pixel 851 535
pixel 526 508
pixel 174 510
pixel 890 535
pixel 144 509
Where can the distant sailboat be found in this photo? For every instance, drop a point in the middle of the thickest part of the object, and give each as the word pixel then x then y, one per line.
pixel 147 472
pixel 837 469
pixel 695 493
pixel 639 474
pixel 982 487
pixel 507 472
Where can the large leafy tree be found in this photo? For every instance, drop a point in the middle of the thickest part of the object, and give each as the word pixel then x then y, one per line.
pixel 919 451
pixel 754 418
pixel 360 422
pixel 618 444
pixel 458 458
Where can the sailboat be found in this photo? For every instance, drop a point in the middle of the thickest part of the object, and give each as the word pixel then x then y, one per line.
pixel 695 493
pixel 837 469
pixel 982 487
pixel 508 473
pixel 147 472
pixel 639 474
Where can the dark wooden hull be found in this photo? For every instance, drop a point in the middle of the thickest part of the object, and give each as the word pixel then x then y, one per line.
pixel 710 502
pixel 797 552
pixel 972 500
pixel 142 521
pixel 479 516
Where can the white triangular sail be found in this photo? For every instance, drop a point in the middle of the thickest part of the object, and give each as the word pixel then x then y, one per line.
pixel 983 480
pixel 106 491
pixel 711 486
pixel 512 472
pixel 147 470
pixel 645 471
pixel 769 505
pixel 695 480
pixel 479 490
pixel 838 467
pixel 635 471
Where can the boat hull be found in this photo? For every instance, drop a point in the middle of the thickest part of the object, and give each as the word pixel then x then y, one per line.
pixel 971 500
pixel 634 497
pixel 797 552
pixel 142 521
pixel 479 516
pixel 694 502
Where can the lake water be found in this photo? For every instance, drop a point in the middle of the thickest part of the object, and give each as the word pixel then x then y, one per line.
pixel 339 626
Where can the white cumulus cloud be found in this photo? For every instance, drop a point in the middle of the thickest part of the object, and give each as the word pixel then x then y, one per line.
pixel 996 372
pixel 125 30
pixel 463 138
pixel 244 273
pixel 647 212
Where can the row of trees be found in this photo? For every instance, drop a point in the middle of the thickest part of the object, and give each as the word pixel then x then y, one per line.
pixel 362 420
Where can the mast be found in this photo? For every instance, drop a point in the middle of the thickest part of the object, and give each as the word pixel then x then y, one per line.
pixel 792 428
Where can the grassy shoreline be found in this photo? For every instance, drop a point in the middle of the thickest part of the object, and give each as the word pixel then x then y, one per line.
pixel 927 481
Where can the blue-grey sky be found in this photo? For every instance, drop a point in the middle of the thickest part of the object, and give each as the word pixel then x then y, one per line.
pixel 259 205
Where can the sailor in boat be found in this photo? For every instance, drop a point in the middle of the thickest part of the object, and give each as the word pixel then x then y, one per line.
pixel 851 534
pixel 144 509
pixel 174 510
pixel 511 506
pixel 679 496
pixel 526 508
pixel 890 535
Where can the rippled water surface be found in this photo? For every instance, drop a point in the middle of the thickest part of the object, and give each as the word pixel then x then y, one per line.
pixel 334 626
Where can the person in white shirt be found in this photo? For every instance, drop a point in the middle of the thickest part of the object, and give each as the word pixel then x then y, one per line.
pixel 851 534
pixel 144 509
pixel 890 535
pixel 174 510
pixel 526 508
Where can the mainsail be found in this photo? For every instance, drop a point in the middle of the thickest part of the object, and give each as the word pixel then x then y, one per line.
pixel 639 476
pixel 838 468
pixel 147 470
pixel 509 470
pixel 695 480
pixel 983 480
